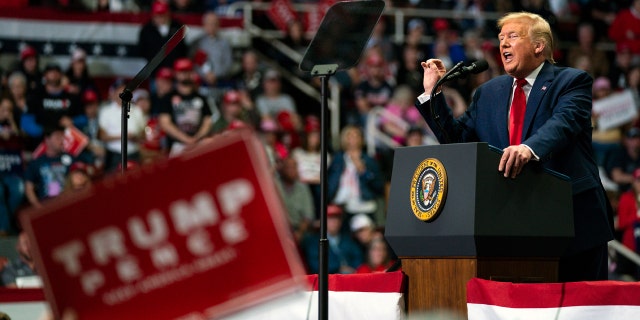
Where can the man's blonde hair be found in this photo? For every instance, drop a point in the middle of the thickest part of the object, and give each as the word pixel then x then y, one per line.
pixel 539 30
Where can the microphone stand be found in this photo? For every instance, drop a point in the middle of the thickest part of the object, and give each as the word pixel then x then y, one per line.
pixel 126 94
pixel 126 97
pixel 323 274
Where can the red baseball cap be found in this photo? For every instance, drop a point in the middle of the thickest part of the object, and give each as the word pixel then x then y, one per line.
pixel 440 24
pixel 285 121
pixel 183 64
pixel 164 73
pixel 159 7
pixel 28 52
pixel 79 166
pixel 231 96
pixel 89 96
pixel 334 210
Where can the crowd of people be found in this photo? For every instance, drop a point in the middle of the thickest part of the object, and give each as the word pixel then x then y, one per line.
pixel 207 86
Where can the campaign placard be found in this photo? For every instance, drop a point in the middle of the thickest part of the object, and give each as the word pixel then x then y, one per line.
pixel 196 237
pixel 74 142
pixel 615 110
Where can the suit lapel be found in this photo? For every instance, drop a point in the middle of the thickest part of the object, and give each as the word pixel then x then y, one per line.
pixel 539 89
pixel 503 93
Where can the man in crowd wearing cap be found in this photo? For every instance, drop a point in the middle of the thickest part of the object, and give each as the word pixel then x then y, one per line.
pixel 450 38
pixel 185 116
pixel 214 51
pixel 363 230
pixel 273 101
pixel 236 106
pixel 110 122
pixel 53 105
pixel 625 159
pixel 91 127
pixel 344 254
pixel 374 91
pixel 155 33
pixel 30 67
pixel 163 87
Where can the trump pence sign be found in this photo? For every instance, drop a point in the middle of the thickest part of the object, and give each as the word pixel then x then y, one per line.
pixel 196 237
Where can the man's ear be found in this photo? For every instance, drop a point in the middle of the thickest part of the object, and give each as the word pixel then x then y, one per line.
pixel 539 47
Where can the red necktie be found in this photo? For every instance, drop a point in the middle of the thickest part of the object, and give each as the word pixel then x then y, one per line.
pixel 516 119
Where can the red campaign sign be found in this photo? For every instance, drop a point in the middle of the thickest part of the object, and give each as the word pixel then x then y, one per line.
pixel 281 13
pixel 196 237
pixel 74 142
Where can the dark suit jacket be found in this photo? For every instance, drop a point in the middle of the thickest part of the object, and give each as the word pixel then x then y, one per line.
pixel 557 127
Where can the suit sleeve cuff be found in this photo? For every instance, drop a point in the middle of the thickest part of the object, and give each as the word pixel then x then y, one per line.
pixel 425 97
pixel 535 156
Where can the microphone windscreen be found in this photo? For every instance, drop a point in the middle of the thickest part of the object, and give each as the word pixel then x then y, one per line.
pixel 480 65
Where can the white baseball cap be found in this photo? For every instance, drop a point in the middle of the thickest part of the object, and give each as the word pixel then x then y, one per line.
pixel 360 221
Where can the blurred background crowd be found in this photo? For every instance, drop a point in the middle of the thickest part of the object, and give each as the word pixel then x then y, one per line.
pixel 60 125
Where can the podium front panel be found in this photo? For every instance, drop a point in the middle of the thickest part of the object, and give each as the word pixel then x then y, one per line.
pixel 451 233
pixel 483 213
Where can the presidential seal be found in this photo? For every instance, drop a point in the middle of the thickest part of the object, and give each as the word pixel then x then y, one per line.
pixel 428 189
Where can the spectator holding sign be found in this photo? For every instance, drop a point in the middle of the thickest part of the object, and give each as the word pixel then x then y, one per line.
pixel 603 141
pixel 45 175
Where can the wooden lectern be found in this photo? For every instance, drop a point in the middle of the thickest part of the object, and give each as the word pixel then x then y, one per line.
pixel 488 226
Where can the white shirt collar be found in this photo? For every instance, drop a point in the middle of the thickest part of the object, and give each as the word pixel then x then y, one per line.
pixel 531 78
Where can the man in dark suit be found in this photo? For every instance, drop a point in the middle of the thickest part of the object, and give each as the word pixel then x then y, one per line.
pixel 546 118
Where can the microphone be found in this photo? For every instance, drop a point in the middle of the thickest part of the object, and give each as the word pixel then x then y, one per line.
pixel 475 67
